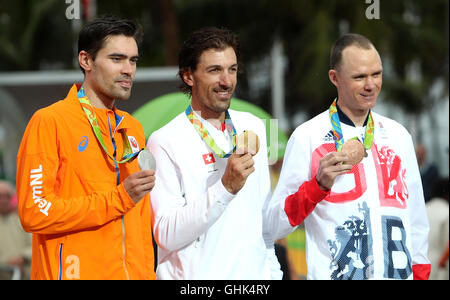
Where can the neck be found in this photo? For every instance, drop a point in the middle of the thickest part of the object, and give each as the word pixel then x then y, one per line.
pixel 358 117
pixel 97 99
pixel 213 117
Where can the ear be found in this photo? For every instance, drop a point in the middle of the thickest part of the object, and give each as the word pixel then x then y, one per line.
pixel 85 61
pixel 332 74
pixel 188 78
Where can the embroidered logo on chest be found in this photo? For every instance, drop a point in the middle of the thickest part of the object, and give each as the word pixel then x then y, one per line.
pixel 83 144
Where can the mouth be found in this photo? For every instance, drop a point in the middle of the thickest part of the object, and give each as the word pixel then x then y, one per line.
pixel 224 94
pixel 368 96
pixel 125 83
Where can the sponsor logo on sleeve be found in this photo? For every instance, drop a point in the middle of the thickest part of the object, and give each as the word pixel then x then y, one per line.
pixel 36 184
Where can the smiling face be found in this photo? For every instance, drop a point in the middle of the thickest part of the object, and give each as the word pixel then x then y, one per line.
pixel 213 82
pixel 358 79
pixel 110 76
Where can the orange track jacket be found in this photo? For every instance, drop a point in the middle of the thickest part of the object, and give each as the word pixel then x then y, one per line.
pixel 71 196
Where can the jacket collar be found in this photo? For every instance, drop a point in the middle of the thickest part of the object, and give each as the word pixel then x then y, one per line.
pixel 343 118
pixel 102 114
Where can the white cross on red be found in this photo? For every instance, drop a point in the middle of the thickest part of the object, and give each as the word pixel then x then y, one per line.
pixel 208 158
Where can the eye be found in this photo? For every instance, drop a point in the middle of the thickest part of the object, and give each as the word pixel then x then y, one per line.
pixel 134 60
pixel 115 59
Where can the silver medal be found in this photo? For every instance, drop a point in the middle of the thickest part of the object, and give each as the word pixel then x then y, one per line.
pixel 146 160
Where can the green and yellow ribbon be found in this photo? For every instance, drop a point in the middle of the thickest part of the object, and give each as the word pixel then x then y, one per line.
pixel 90 114
pixel 337 130
pixel 205 136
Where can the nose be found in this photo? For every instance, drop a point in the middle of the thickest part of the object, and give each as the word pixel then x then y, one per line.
pixel 128 68
pixel 226 79
pixel 369 83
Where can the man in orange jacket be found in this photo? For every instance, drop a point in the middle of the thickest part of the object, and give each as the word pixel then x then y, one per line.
pixel 81 192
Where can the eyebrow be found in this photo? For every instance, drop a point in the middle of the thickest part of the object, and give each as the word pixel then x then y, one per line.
pixel 122 55
pixel 220 67
pixel 365 74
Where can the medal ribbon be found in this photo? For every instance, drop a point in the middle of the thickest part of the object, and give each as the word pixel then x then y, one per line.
pixel 90 114
pixel 337 130
pixel 204 134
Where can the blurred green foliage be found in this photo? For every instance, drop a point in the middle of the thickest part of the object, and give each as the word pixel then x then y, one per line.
pixel 36 35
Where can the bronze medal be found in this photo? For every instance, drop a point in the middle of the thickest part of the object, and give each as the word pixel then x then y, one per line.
pixel 355 151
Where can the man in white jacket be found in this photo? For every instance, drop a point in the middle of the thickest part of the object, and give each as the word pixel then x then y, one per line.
pixel 208 202
pixel 362 207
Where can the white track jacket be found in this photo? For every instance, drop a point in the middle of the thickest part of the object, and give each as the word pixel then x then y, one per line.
pixel 373 222
pixel 203 231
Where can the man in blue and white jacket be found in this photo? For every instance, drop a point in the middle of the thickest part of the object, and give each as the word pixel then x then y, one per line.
pixel 362 221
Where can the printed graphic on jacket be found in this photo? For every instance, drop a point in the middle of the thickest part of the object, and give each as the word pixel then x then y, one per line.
pixel 391 178
pixel 352 248
pixel 36 184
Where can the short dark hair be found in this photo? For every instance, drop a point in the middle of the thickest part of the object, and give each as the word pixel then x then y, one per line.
pixel 94 34
pixel 200 41
pixel 350 39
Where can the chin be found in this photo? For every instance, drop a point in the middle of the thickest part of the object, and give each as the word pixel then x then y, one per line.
pixel 372 104
pixel 222 107
pixel 122 95
pixel 367 104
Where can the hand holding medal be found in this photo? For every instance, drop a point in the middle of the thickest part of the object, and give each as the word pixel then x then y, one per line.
pixel 141 183
pixel 354 149
pixel 138 184
pixel 348 154
pixel 241 164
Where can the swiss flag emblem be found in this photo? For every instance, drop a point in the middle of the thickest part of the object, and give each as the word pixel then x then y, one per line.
pixel 208 158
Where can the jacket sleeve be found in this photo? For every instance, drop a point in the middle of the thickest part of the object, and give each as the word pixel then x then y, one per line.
pixel 262 167
pixel 418 215
pixel 177 222
pixel 296 194
pixel 39 173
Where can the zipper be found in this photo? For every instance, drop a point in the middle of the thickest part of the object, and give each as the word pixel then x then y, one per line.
pixel 124 250
pixel 115 149
pixel 197 242
pixel 60 269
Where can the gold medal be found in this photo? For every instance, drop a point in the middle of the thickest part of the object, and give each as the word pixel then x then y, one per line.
pixel 355 151
pixel 248 141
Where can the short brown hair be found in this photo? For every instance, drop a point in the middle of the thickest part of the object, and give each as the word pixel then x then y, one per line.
pixel 200 41
pixel 350 39
pixel 94 34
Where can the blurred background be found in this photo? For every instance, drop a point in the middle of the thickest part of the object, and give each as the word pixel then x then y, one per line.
pixel 285 45
pixel 285 59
